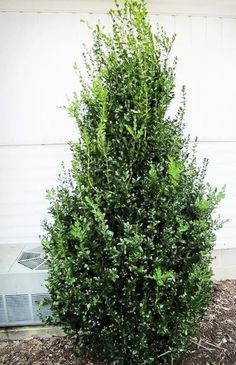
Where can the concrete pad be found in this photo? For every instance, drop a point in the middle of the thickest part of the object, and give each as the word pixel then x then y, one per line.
pixel 21 333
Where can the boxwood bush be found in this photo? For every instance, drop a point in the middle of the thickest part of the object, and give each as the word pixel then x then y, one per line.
pixel 129 247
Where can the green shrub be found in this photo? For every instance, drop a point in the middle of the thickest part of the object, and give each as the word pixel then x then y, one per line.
pixel 129 247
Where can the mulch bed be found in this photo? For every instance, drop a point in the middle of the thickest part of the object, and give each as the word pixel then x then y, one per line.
pixel 216 344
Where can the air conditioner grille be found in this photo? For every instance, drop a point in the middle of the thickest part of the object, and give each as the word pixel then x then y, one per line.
pixel 18 308
pixel 42 266
pixel 33 259
pixel 33 263
pixel 23 309
pixel 44 310
pixel 28 255
pixel 2 312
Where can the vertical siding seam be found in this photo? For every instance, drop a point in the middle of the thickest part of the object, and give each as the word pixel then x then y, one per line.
pixel 5 308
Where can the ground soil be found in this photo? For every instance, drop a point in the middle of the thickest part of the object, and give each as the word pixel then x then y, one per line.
pixel 215 345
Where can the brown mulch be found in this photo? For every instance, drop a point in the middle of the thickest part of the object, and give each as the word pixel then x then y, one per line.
pixel 216 344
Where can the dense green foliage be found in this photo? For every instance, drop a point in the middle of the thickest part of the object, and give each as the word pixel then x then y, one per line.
pixel 129 246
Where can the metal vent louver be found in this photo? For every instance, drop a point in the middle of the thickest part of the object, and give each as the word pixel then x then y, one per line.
pixel 18 309
pixel 23 309
pixel 33 259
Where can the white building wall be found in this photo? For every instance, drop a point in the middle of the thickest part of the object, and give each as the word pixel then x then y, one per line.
pixel 39 43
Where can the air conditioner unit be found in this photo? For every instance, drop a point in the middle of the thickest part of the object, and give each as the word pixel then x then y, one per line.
pixel 23 272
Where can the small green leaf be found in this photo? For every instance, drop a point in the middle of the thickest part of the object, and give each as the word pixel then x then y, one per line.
pixel 130 130
pixel 175 168
pixel 204 204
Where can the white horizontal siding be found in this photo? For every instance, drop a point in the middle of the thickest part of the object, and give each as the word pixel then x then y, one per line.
pixel 26 172
pixel 206 51
pixel 226 8
pixel 37 56
pixel 222 171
